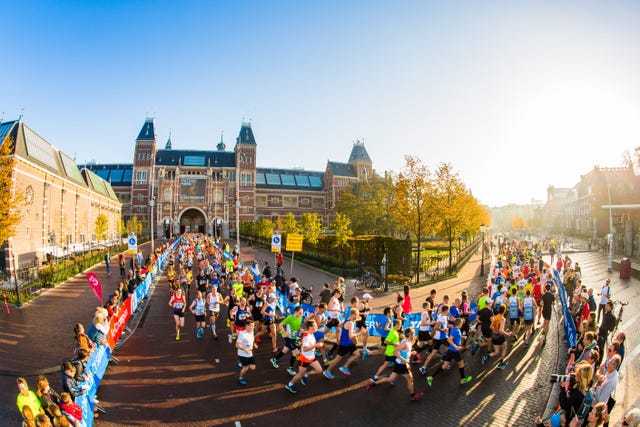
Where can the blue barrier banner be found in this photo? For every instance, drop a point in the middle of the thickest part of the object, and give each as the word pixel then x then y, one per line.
pixel 96 368
pixel 569 326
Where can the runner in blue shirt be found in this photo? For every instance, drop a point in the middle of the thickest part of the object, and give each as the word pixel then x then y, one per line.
pixel 454 353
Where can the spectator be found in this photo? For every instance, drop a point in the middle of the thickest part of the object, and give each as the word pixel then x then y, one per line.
pixel 59 419
pixel 27 397
pixel 571 399
pixel 28 417
pixel 43 421
pixel 48 396
pixel 82 340
pixel 325 294
pixel 632 419
pixel 406 305
pixel 71 409
pixel 606 384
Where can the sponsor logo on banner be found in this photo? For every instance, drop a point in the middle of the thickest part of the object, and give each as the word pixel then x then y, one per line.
pixel 118 322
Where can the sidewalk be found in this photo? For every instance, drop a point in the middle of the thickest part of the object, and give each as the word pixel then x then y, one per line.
pixel 38 337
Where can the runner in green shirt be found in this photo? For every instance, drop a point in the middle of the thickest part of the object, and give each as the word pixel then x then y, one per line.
pixel 391 341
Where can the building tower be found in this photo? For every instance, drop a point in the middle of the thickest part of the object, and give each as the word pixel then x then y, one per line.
pixel 245 156
pixel 143 190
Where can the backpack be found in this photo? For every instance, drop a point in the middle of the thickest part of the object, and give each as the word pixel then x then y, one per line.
pixel 585 407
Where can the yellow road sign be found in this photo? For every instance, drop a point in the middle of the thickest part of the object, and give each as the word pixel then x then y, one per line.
pixel 294 242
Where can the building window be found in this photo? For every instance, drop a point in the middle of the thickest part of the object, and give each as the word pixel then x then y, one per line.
pixel 141 177
pixel 289 201
pixel 261 201
pixel 218 195
pixel 246 179
pixel 318 203
pixel 81 237
pixel 166 197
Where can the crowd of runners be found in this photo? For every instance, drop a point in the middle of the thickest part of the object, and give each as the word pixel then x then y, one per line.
pixel 516 305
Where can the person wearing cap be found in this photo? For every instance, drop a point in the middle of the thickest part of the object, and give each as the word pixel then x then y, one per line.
pixel 361 324
pixel 605 296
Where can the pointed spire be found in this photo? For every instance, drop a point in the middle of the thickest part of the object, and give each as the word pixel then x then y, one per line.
pixel 168 146
pixel 221 146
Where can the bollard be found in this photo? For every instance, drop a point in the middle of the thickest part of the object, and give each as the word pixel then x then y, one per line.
pixel 6 306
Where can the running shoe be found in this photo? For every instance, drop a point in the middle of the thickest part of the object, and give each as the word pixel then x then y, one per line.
pixel 474 348
pixel 416 396
pixel 344 370
pixel 291 371
pixel 326 362
pixel 291 388
pixel 423 370
pixel 328 375
pixel 484 359
pixel 303 380
pixel 502 365
pixel 274 362
pixel 430 380
pixel 229 338
pixel 466 379
pixel 374 378
pixel 178 336
pixel 275 349
pixel 242 381
pixel 392 382
pixel 365 353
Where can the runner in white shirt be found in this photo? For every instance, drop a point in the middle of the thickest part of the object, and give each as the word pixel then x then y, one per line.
pixel 214 299
pixel 245 345
pixel 307 357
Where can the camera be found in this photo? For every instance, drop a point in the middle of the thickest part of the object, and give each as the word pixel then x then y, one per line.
pixel 555 378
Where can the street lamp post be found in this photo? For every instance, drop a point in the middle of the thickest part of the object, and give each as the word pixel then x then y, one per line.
pixel 152 203
pixel 482 230
pixel 610 235
pixel 386 270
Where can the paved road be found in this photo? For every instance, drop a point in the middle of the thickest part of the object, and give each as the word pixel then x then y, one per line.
pixel 161 381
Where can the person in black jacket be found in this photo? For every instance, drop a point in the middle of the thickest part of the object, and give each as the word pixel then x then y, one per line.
pixel 607 325
pixel 579 384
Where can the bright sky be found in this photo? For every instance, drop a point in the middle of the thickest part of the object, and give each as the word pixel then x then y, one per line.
pixel 517 96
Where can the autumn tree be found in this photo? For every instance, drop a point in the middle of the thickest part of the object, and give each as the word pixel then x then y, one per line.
pixel 311 227
pixel 455 207
pixel 287 224
pixel 134 225
pixel 12 198
pixel 101 226
pixel 369 206
pixel 341 230
pixel 414 201
pixel 264 228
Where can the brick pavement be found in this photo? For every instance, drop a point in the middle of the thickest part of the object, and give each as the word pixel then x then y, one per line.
pixel 161 381
pixel 38 337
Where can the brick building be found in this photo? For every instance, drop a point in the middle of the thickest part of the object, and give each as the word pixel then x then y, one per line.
pixel 61 201
pixel 210 191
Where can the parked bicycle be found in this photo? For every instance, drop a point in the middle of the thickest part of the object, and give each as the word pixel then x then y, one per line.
pixel 370 281
pixel 618 310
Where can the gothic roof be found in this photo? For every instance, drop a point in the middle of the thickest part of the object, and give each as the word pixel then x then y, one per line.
pixel 246 135
pixel 359 153
pixel 33 148
pixel 342 169
pixel 148 132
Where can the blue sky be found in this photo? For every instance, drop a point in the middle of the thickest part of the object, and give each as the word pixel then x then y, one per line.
pixel 517 96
